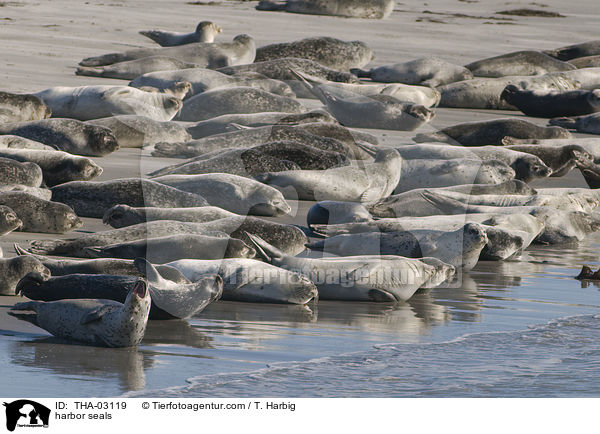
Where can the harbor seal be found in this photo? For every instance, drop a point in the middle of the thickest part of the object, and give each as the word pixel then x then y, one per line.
pixel 8 141
pixel 561 159
pixel 231 192
pixel 373 9
pixel 586 62
pixel 332 212
pixel 457 171
pixel 222 101
pixel 426 71
pixel 130 69
pixel 57 166
pixel 590 48
pixel 330 52
pixel 173 247
pixel 21 108
pixel 133 131
pixel 98 322
pixel 249 280
pixel 39 215
pixel 202 80
pixel 205 32
pixel 42 193
pixel 204 54
pixel 94 102
pixel 23 173
pixel 368 182
pixel 582 124
pixel 552 104
pixel 9 221
pixel 253 161
pixel 492 132
pixel 383 278
pixel 67 135
pixel 93 198
pixel 120 216
pixel 14 269
pixel 517 63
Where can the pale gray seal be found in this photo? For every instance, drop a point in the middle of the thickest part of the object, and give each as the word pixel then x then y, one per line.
pixel 205 32
pixel 590 48
pixel 222 101
pixel 42 193
pixel 57 166
pixel 427 71
pixel 99 322
pixel 120 216
pixel 23 173
pixel 213 55
pixel 383 278
pixel 134 131
pixel 374 9
pixel 130 69
pixel 582 124
pixel 94 102
pixel 586 62
pixel 202 80
pixel 8 141
pixel 492 132
pixel 330 52
pixel 39 215
pixel 14 269
pixel 332 212
pixel 67 135
pixel 173 247
pixel 552 104
pixel 518 63
pixel 92 199
pixel 22 108
pixel 231 192
pixel 9 221
pixel 251 281
pixel 368 182
pixel 259 159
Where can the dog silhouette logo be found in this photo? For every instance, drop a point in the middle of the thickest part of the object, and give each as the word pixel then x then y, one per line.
pixel 26 413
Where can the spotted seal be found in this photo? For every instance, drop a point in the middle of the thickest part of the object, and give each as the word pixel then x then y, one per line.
pixel 374 9
pixel 8 141
pixel 582 124
pixel 21 108
pixel 205 32
pixel 14 269
pixel 130 69
pixel 561 159
pixel 23 173
pixel 120 216
pixel 9 221
pixel 518 63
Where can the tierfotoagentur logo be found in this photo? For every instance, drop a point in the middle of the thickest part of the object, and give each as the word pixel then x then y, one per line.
pixel 24 413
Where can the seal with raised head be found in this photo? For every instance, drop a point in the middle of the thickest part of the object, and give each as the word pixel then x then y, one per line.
pixel 57 166
pixel 374 9
pixel 517 63
pixel 426 71
pixel 14 269
pixel 590 48
pixel 92 199
pixel 133 131
pixel 95 321
pixel 94 102
pixel 21 108
pixel 582 124
pixel 205 32
pixel 231 192
pixel 552 104
pixel 367 183
pixel 9 221
pixel 23 173
pixel 204 54
pixel 492 132
pixel 222 101
pixel 67 135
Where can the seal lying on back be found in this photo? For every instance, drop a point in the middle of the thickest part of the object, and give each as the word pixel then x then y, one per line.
pixel 370 182
pixel 93 102
pixel 259 159
pixel 231 192
pixel 382 278
pixel 551 104
pixel 21 108
pixel 134 131
pixel 67 135
pixel 205 32
pixel 223 101
pixel 130 69
pixel 492 132
pixel 99 322
pixel 57 166
pixel 427 71
pixel 212 55
pixel 14 269
pixel 16 172
pixel 330 52
pixel 590 48
pixel 517 63
pixel 582 124
pixel 375 9
pixel 92 199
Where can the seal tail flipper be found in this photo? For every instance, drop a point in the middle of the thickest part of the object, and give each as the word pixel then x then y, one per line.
pixel 265 250
pixel 164 149
pixel 444 203
pixel 20 251
pixel 361 73
pixel 565 122
pixel 152 34
pixel 370 149
pixel 26 306
pixel 93 252
pixel 89 71
pixel 46 247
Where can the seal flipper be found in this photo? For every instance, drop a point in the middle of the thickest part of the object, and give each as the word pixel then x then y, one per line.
pixel 46 247
pixel 565 122
pixel 268 252
pixel 381 296
pixel 29 317
pixel 96 314
pixel 361 73
pixel 156 276
pixel 446 204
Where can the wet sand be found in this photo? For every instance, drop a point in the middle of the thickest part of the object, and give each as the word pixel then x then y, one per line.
pixel 44 41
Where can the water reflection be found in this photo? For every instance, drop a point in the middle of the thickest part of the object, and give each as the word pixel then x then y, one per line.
pixel 175 332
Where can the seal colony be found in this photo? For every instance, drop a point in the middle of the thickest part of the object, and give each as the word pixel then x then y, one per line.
pixel 408 216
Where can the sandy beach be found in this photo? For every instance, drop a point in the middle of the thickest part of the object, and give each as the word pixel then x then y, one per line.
pixel 241 349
